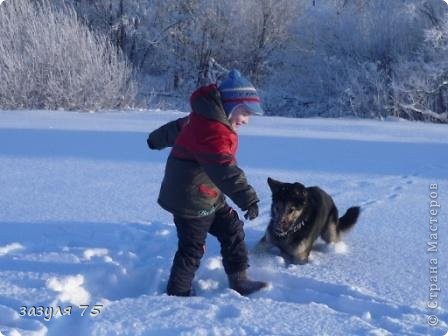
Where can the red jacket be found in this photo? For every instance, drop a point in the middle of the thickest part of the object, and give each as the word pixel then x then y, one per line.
pixel 202 165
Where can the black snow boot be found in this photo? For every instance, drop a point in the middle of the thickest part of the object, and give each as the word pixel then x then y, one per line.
pixel 243 285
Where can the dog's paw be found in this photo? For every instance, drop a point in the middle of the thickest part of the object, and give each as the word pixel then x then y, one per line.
pixel 294 260
pixel 297 261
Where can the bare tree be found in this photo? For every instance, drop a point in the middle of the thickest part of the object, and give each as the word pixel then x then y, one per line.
pixel 422 85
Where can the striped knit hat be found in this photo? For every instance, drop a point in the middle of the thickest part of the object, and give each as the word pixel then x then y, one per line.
pixel 237 90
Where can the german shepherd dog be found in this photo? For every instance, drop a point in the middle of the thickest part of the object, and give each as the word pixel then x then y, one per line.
pixel 299 215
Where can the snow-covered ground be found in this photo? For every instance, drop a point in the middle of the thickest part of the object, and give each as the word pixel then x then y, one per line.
pixel 79 225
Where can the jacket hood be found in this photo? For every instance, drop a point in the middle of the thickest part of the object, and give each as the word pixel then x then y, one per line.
pixel 206 101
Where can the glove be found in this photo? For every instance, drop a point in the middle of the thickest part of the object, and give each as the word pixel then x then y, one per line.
pixel 252 212
pixel 150 145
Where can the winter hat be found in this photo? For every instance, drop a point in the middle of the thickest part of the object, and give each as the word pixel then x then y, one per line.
pixel 237 90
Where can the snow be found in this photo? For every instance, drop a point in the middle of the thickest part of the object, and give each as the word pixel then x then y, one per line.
pixel 10 248
pixel 70 289
pixel 95 252
pixel 79 224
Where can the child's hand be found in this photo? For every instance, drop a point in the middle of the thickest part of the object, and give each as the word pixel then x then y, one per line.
pixel 252 212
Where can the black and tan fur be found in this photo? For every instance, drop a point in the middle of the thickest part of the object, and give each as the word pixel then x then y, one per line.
pixel 299 215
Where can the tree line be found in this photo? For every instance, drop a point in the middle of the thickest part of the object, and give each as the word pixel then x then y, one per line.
pixel 369 59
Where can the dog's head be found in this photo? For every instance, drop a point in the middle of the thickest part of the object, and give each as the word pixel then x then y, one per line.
pixel 289 202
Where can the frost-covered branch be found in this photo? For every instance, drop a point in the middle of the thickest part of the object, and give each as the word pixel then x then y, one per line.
pixel 426 113
pixel 50 60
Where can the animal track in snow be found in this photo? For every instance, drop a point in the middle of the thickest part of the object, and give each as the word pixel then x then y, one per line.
pixel 345 299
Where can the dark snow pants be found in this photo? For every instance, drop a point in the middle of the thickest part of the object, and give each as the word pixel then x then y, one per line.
pixel 225 225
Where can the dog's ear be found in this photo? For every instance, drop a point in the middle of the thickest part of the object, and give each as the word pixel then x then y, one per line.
pixel 274 185
pixel 299 187
pixel 300 190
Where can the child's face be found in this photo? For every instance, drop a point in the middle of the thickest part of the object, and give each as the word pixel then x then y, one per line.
pixel 239 116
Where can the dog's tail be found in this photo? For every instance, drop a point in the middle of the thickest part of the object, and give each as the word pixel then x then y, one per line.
pixel 349 219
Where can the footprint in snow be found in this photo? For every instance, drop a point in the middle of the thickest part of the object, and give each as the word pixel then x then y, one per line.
pixel 399 319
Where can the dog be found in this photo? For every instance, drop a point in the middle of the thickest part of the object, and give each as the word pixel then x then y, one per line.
pixel 299 215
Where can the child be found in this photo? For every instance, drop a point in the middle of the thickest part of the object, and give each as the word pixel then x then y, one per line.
pixel 200 169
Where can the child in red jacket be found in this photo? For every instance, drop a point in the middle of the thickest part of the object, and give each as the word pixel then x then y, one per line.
pixel 200 170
